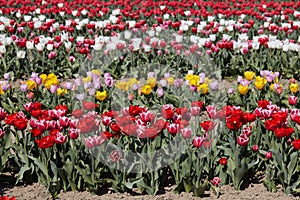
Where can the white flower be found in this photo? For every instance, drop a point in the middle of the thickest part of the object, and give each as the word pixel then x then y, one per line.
pixel 29 44
pixel 212 37
pixel 136 43
pixel 187 13
pixel 2 27
pixel 220 28
pixel 158 29
pixel 42 17
pixel 8 41
pixel 116 12
pixel 194 39
pixel 80 39
pixel 210 18
pixel 79 27
pixel 2 49
pixel 266 24
pixel 151 33
pixel 226 37
pixel 61 13
pixel 68 45
pixel 222 22
pixel 27 18
pixel 162 7
pixel 97 47
pixel 84 12
pixel 178 38
pixel 49 47
pixel 74 12
pixel 296 13
pixel 60 5
pixel 147 48
pixel 37 24
pixel 113 19
pixel 166 16
pixel 127 35
pixel 132 24
pixel 111 46
pixel 18 15
pixel 230 28
pixel 40 46
pixel 243 37
pixel 38 11
pixel 21 54
pixel 255 45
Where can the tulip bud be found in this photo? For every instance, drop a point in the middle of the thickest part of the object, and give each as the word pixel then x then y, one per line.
pixel 255 148
pixel 269 155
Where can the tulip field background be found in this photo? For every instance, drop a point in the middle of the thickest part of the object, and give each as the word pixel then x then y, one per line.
pixel 149 99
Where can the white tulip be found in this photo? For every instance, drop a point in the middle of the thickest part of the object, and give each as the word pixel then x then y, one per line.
pixel 74 12
pixel 84 12
pixel 21 54
pixel 68 45
pixel 2 49
pixel 212 37
pixel 97 47
pixel 49 47
pixel 116 12
pixel 29 45
pixel 27 18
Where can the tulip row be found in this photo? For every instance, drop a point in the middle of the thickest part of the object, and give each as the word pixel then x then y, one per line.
pixel 55 130
pixel 29 38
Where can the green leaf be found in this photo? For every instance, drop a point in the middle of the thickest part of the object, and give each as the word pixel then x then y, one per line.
pixel 21 173
pixel 84 174
pixel 131 182
pixel 41 166
pixel 292 165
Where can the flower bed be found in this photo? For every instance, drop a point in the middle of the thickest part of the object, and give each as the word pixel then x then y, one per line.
pixel 95 95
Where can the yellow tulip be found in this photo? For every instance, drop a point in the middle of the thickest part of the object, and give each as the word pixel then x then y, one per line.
pixel 249 75
pixel 151 82
pixel 31 84
pixel 146 89
pixel 43 77
pixel 260 82
pixel 51 80
pixel 122 85
pixel 61 91
pixel 203 88
pixel 133 81
pixel 170 80
pixel 96 71
pixel 294 87
pixel 87 79
pixel 188 77
pixel 243 89
pixel 101 95
pixel 1 91
pixel 195 82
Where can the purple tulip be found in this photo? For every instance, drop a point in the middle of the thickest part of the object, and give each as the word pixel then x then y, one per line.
pixel 24 87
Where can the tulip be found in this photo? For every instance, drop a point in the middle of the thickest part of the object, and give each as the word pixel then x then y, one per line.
pixel 198 141
pixel 255 148
pixel 269 155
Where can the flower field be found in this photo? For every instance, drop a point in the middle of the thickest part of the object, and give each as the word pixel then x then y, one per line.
pixel 141 95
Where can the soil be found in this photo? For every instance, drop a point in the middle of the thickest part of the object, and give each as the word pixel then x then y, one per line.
pixel 36 191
